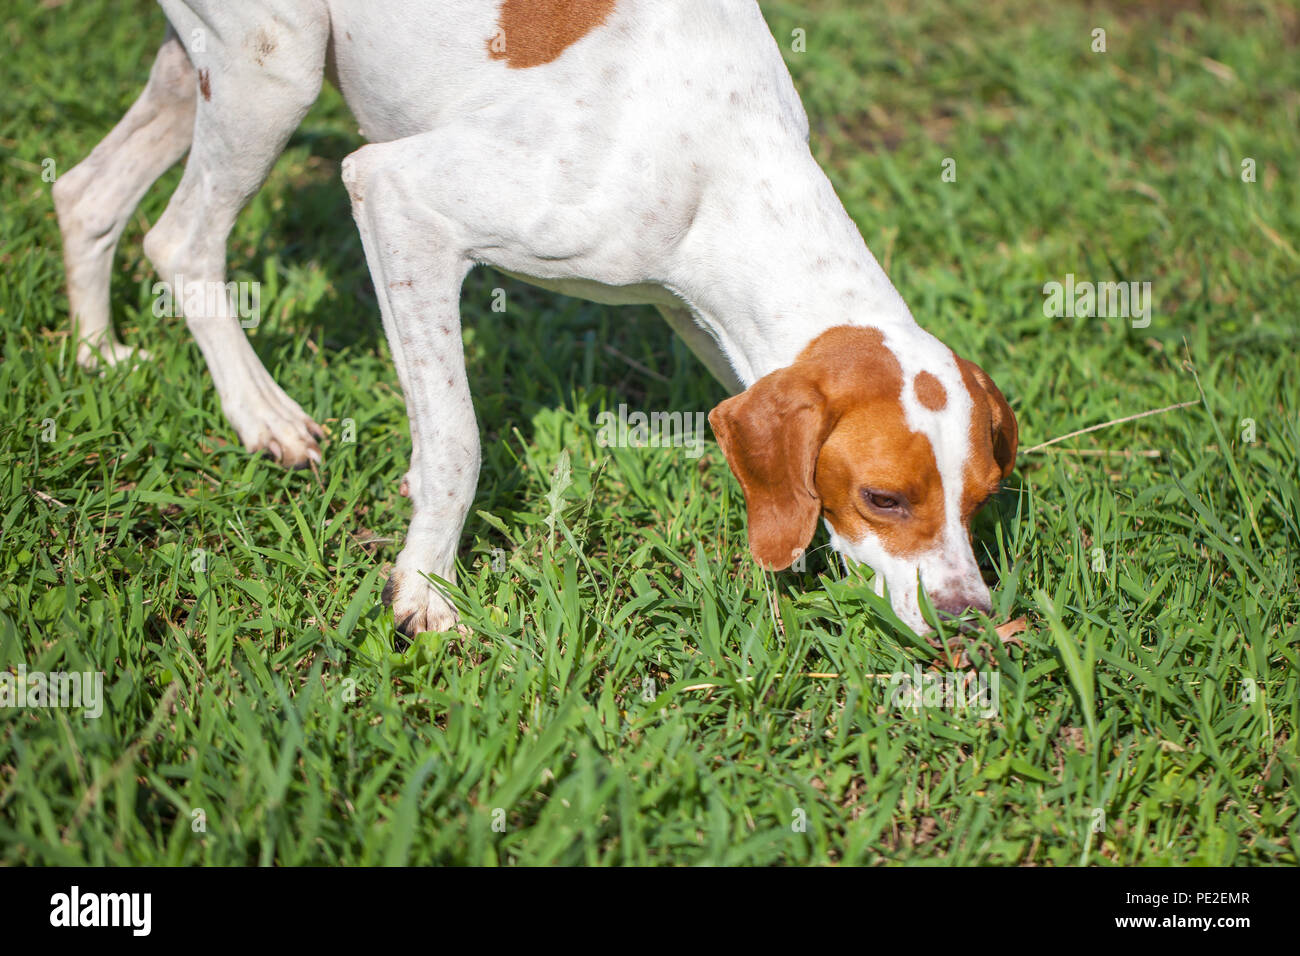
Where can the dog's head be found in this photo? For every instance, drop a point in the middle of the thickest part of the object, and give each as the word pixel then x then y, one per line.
pixel 894 440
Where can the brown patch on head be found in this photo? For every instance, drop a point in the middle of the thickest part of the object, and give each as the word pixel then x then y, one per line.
pixel 872 449
pixel 205 84
pixel 821 434
pixel 930 392
pixel 994 438
pixel 533 32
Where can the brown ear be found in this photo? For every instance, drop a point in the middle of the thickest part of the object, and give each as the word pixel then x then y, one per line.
pixel 772 434
pixel 1006 433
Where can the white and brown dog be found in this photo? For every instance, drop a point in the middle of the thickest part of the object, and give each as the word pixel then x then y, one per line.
pixel 626 151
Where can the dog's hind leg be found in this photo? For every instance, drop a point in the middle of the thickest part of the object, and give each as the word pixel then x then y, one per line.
pixel 259 69
pixel 95 199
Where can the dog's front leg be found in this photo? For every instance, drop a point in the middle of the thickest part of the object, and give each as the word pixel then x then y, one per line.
pixel 703 345
pixel 417 268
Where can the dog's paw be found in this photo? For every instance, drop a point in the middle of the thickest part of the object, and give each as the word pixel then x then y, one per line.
pixel 97 358
pixel 279 429
pixel 417 605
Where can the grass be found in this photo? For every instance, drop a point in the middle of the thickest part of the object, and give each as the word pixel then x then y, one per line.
pixel 633 691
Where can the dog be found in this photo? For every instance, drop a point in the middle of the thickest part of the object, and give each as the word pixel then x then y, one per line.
pixel 625 151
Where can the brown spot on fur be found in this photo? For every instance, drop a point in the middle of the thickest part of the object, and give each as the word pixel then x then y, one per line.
pixel 205 84
pixel 534 32
pixel 929 391
pixel 263 46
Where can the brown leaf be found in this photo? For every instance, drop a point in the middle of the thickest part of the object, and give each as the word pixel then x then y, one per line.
pixel 1007 632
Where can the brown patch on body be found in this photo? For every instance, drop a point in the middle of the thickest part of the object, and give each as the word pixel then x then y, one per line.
pixel 930 392
pixel 534 32
pixel 205 84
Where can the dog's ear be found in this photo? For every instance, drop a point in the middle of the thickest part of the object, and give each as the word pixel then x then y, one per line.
pixel 772 434
pixel 1006 433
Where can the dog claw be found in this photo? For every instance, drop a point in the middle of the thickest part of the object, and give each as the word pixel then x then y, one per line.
pixel 301 454
pixel 280 430
pixel 417 606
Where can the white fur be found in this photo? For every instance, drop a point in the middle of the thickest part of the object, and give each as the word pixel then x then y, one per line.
pixel 663 158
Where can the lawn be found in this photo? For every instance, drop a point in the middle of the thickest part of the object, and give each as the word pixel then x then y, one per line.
pixel 631 689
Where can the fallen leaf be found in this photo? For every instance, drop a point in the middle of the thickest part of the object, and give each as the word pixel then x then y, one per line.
pixel 1007 632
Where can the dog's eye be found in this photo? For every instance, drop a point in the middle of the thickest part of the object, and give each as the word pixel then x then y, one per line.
pixel 881 501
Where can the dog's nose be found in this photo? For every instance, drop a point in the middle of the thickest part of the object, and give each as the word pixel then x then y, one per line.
pixel 959 603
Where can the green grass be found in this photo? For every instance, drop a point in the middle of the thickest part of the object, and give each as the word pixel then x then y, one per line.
pixel 268 693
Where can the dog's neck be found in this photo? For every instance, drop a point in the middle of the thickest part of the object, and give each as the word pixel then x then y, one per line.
pixel 778 256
